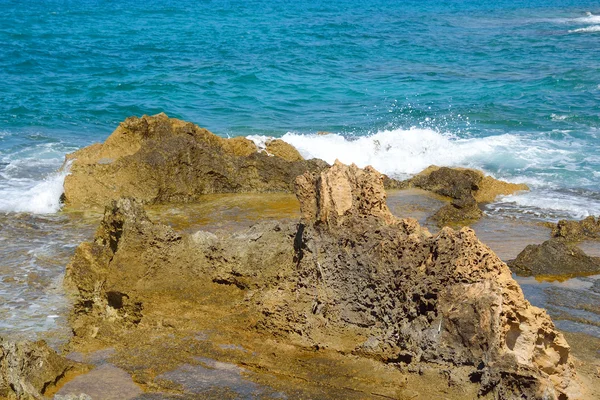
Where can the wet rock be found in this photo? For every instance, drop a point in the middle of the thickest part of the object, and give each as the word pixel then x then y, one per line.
pixel 466 188
pixel 554 257
pixel 349 278
pixel 29 369
pixel 281 149
pixel 575 231
pixel 458 212
pixel 161 160
pixel 596 286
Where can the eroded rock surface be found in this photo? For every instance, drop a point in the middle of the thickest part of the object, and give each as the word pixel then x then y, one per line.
pixel 29 369
pixel 554 257
pixel 350 277
pixel 575 231
pixel 466 188
pixel 160 160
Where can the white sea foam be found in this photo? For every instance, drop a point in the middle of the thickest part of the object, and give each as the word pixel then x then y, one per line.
pixel 558 117
pixel 593 28
pixel 547 204
pixel 589 18
pixel 512 157
pixel 28 195
pixel 402 152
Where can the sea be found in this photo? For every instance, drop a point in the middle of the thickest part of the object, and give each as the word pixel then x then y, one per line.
pixel 508 87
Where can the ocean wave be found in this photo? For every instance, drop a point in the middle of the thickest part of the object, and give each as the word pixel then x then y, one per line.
pixel 547 204
pixel 29 195
pixel 403 152
pixel 589 18
pixel 541 161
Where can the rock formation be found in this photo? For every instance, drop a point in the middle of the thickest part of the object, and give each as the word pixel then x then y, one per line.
pixel 281 149
pixel 28 369
pixel 554 257
pixel 575 231
pixel 160 160
pixel 350 277
pixel 466 188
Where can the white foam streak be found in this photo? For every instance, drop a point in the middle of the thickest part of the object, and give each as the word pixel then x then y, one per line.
pixel 547 204
pixel 589 19
pixel 24 195
pixel 593 28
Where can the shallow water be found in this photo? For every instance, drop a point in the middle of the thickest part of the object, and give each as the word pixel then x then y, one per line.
pixel 34 251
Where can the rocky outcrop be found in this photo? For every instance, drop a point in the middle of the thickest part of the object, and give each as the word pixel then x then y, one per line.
pixel 466 188
pixel 160 160
pixel 281 149
pixel 29 369
pixel 554 257
pixel 350 277
pixel 576 231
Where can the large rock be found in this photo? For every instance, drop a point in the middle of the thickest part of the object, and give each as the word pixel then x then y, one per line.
pixel 350 278
pixel 160 160
pixel 554 257
pixel 466 188
pixel 29 369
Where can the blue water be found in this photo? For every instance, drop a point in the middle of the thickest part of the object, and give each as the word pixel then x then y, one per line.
pixel 511 87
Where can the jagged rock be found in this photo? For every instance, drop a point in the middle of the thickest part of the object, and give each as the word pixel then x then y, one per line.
pixel 29 369
pixel 160 160
pixel 575 231
pixel 554 257
pixel 466 188
pixel 342 192
pixel 350 278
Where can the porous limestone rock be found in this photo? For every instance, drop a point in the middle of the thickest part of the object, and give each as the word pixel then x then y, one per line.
pixel 159 159
pixel 349 277
pixel 28 369
pixel 554 257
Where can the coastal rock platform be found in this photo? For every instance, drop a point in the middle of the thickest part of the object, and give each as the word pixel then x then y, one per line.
pixel 350 284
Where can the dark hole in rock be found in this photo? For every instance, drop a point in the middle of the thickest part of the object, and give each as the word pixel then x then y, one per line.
pixel 475 377
pixel 115 299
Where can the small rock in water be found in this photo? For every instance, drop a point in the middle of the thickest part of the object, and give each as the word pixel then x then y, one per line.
pixel 554 257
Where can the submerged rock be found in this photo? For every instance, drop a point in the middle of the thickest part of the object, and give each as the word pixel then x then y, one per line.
pixel 29 369
pixel 554 257
pixel 575 231
pixel 160 160
pixel 466 188
pixel 350 277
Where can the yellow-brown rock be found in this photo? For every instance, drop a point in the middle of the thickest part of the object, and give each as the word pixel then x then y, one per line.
pixel 281 149
pixel 466 188
pixel 349 278
pixel 164 160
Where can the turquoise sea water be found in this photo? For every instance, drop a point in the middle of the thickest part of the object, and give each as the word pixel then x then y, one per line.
pixel 512 87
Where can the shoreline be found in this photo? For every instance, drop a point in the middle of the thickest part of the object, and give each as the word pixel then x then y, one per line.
pixel 187 219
